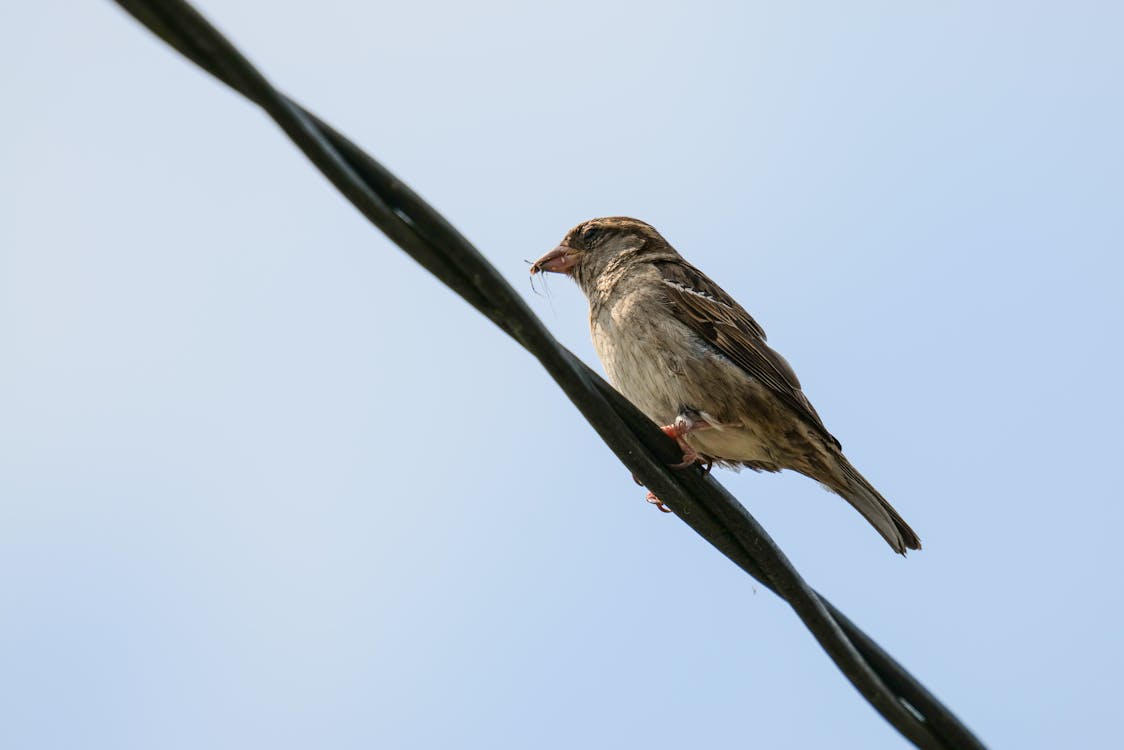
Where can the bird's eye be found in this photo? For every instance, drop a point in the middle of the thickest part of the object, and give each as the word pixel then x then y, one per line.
pixel 589 236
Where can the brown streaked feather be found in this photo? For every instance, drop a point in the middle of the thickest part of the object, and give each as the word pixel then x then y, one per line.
pixel 704 307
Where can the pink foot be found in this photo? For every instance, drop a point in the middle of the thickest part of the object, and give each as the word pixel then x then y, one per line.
pixel 685 424
pixel 657 502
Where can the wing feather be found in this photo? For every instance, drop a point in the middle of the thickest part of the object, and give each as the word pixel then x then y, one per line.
pixel 704 307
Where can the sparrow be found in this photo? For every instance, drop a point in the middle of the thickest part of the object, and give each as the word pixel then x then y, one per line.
pixel 694 361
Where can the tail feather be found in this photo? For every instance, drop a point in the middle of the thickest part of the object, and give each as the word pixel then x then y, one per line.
pixel 855 489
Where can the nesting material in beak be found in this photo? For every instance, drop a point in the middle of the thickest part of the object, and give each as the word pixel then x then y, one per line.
pixel 561 259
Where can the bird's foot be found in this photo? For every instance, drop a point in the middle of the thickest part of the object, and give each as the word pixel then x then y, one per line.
pixel 651 497
pixel 686 422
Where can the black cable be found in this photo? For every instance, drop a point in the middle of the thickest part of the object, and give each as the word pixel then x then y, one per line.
pixel 701 502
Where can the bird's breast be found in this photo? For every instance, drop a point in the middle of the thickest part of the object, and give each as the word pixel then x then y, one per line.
pixel 647 355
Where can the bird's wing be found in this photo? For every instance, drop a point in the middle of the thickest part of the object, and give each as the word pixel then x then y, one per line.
pixel 711 313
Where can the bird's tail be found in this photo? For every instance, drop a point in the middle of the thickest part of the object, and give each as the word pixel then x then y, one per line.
pixel 853 487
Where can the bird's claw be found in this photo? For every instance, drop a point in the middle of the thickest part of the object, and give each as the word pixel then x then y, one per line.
pixel 690 458
pixel 686 422
pixel 683 425
pixel 650 497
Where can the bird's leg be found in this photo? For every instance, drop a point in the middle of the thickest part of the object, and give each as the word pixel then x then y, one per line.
pixel 686 422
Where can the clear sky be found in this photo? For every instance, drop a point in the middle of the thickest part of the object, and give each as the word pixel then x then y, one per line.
pixel 265 483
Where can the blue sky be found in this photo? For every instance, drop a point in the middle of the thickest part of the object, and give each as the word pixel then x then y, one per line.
pixel 264 483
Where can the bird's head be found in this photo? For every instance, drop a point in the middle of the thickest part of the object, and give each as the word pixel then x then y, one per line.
pixel 599 245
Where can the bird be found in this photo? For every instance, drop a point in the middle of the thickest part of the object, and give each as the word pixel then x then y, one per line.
pixel 695 362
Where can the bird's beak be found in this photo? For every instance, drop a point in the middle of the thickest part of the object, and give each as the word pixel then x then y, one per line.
pixel 561 259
